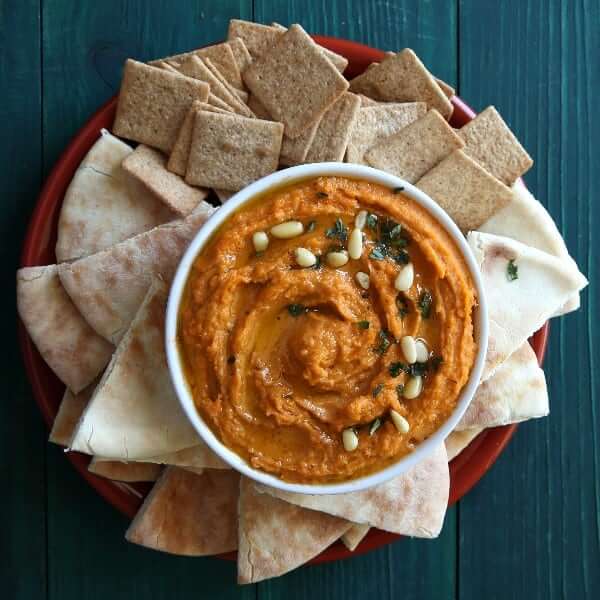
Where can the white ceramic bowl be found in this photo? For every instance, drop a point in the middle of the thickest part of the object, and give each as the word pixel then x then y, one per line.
pixel 275 180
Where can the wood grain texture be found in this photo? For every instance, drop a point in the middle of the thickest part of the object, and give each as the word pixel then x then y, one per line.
pixel 531 529
pixel 84 47
pixel 22 435
pixel 410 568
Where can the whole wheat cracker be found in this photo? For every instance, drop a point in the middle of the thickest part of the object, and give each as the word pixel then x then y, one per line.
pixel 150 168
pixel 416 148
pixel 375 123
pixel 153 104
pixel 181 150
pixel 493 145
pixel 294 81
pixel 294 151
pixel 240 54
pixel 402 77
pixel 466 191
pixel 334 130
pixel 229 152
pixel 237 93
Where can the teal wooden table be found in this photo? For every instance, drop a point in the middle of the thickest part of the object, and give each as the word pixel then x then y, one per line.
pixel 531 528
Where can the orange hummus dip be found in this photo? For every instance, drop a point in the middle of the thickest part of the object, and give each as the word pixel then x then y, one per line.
pixel 319 353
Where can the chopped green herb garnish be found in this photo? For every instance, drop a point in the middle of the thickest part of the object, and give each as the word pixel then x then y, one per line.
pixel 339 231
pixel 512 271
pixel 374 426
pixel 402 258
pixel 397 190
pixel 384 342
pixel 424 304
pixel 363 324
pixel 317 264
pixel 335 248
pixel 395 231
pixel 378 252
pixel 396 368
pixel 311 226
pixel 435 362
pixel 231 359
pixel 372 221
pixel 322 195
pixel 296 309
pixel 400 389
pixel 418 369
pixel 259 253
pixel 377 390
pixel 402 306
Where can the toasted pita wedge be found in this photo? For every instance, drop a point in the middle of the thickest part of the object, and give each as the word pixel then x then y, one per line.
pixel 276 537
pixel 526 220
pixel 517 307
pixel 124 471
pixel 149 167
pixel 355 535
pixel 457 441
pixel 514 393
pixel 108 287
pixel 189 514
pixel 413 503
pixel 70 347
pixel 69 412
pixel 134 412
pixel 103 205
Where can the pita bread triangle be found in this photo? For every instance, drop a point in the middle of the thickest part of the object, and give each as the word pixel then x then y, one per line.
pixel 189 514
pixel 515 392
pixel 412 504
pixel 276 537
pixel 516 308
pixel 355 535
pixel 134 412
pixel 108 287
pixel 104 205
pixel 69 412
pixel 526 220
pixel 124 471
pixel 457 441
pixel 70 347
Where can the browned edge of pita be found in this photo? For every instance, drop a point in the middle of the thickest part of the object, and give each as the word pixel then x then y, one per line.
pixel 130 472
pixel 69 412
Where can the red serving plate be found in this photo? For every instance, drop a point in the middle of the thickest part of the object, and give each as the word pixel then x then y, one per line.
pixel 38 249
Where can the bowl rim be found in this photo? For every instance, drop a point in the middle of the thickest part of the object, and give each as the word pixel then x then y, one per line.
pixel 279 179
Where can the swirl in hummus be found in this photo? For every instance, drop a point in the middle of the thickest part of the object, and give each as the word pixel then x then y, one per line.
pixel 327 328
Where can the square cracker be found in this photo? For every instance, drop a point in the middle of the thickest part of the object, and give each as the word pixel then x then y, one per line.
pixel 294 81
pixel 402 77
pixel 493 145
pixel 237 93
pixel 375 123
pixel 218 103
pixel 230 152
pixel 294 151
pixel 240 53
pixel 149 166
pixel 468 193
pixel 416 148
pixel 331 139
pixel 181 150
pixel 194 66
pixel 259 38
pixel 153 104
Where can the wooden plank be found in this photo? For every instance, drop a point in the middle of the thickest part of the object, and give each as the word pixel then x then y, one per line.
pixel 531 529
pixel 22 435
pixel 85 45
pixel 407 568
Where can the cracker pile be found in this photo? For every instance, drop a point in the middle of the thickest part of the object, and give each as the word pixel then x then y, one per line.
pixel 207 123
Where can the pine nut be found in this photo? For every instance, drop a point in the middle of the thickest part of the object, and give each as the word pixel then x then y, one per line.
pixel 287 230
pixel 305 258
pixel 402 425
pixel 409 349
pixel 363 280
pixel 336 259
pixel 350 440
pixel 355 244
pixel 260 240
pixel 405 278
pixel 422 351
pixel 361 220
pixel 413 387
